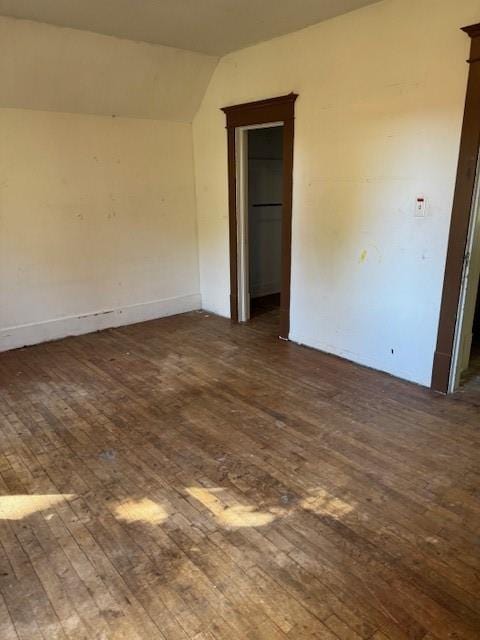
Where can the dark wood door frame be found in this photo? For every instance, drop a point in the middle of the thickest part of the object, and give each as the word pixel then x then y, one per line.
pixel 460 222
pixel 281 109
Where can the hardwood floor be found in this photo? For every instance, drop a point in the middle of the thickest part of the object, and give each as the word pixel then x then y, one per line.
pixel 266 304
pixel 186 479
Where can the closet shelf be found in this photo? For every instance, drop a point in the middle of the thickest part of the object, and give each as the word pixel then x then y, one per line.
pixel 269 204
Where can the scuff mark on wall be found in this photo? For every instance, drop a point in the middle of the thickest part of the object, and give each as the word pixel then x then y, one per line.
pixel 95 315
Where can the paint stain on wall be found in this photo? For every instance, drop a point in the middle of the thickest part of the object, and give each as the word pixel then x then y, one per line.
pixel 375 254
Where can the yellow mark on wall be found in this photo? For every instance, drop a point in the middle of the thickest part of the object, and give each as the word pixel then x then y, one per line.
pixel 21 506
pixel 237 515
pixel 363 256
pixel 144 510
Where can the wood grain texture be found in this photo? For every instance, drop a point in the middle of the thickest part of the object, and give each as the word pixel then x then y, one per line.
pixel 192 479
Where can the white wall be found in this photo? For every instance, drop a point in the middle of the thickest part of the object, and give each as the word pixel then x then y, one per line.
pixel 378 122
pixel 97 213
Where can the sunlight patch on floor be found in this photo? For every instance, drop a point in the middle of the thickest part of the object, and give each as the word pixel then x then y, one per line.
pixel 144 510
pixel 322 502
pixel 22 506
pixel 237 515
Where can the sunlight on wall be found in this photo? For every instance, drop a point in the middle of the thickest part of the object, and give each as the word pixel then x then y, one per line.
pixel 144 510
pixel 238 515
pixel 138 185
pixel 324 503
pixel 21 506
pixel 367 273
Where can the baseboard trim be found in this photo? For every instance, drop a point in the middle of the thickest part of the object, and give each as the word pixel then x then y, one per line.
pixel 57 328
pixel 355 358
pixel 267 289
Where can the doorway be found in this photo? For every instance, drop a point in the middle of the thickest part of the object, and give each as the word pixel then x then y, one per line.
pixel 260 179
pixel 466 349
pixel 473 369
pixel 264 192
pixel 456 340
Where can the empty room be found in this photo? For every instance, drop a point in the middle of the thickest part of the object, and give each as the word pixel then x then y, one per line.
pixel 239 319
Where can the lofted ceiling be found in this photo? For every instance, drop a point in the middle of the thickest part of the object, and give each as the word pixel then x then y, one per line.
pixel 207 26
pixel 46 68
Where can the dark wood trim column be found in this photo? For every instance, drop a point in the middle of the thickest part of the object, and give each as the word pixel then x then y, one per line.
pixel 281 109
pixel 462 205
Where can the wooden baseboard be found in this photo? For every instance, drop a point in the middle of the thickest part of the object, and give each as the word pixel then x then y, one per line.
pixel 56 328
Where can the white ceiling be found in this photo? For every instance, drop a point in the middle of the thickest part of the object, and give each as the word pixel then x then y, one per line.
pixel 208 26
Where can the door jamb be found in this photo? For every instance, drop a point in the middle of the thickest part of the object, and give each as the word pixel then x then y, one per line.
pixel 262 112
pixel 241 142
pixel 460 222
pixel 469 285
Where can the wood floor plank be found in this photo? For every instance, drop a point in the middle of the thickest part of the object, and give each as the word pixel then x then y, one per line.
pixel 189 479
pixel 7 628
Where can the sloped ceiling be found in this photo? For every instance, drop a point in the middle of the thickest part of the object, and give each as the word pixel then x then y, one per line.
pixel 209 26
pixel 48 68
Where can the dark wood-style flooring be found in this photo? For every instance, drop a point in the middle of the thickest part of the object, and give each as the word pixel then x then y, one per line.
pixel 265 304
pixel 189 479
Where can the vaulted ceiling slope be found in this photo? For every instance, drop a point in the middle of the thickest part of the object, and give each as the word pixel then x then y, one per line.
pixel 209 26
pixel 47 68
